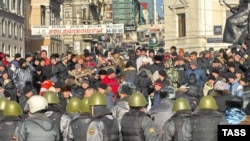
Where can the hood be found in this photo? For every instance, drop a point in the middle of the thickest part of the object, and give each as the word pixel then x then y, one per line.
pixel 42 121
pixel 124 103
pixel 143 73
pixel 192 79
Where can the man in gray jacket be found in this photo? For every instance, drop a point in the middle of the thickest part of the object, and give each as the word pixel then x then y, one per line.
pixel 38 126
pixel 125 90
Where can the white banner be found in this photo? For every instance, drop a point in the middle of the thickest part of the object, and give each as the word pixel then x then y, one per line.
pixel 77 29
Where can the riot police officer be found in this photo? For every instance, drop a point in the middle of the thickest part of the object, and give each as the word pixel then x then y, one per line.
pixel 54 112
pixel 72 112
pixel 38 126
pixel 162 112
pixel 203 124
pixel 3 103
pixel 78 127
pixel 103 126
pixel 12 118
pixel 173 127
pixel 136 124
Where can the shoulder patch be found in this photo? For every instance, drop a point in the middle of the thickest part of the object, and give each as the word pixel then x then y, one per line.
pixel 91 131
pixel 151 130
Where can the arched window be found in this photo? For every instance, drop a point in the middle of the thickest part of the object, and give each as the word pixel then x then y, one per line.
pixel 10 28
pixel 3 27
pixel 15 30
pixel 3 48
pixel 14 5
pixel 21 32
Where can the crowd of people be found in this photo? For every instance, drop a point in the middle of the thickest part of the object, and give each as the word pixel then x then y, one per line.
pixel 155 95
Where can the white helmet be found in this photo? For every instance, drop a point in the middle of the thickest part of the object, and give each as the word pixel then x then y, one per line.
pixel 37 103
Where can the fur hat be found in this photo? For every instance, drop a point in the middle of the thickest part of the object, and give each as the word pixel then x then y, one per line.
pixel 127 88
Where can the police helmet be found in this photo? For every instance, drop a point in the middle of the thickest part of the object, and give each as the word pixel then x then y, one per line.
pixel 37 103
pixel 181 104
pixel 97 99
pixel 74 105
pixel 3 103
pixel 51 97
pixel 137 100
pixel 84 105
pixel 208 102
pixel 12 109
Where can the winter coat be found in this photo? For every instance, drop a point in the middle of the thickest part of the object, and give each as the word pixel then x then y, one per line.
pixel 120 109
pixel 161 113
pixel 37 81
pixel 143 83
pixel 220 97
pixel 112 83
pixel 21 77
pixel 156 67
pixel 203 125
pixel 200 76
pixel 173 128
pixel 106 127
pixel 61 72
pixel 10 87
pixel 236 88
pixel 38 127
pixel 130 74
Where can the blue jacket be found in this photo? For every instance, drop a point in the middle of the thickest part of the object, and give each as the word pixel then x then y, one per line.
pixel 236 90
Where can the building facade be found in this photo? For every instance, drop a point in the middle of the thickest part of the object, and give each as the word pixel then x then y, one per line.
pixel 195 25
pixel 84 12
pixel 45 12
pixel 12 27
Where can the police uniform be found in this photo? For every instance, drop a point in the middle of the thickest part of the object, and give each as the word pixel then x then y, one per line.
pixel 137 125
pixel 10 122
pixel 38 126
pixel 79 126
pixel 103 126
pixel 173 128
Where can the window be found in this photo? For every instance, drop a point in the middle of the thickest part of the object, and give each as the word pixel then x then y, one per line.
pixel 108 15
pixel 10 28
pixel 15 30
pixel 21 32
pixel 3 27
pixel 182 25
pixel 18 6
pixel 13 5
pixel 68 14
pixel 3 48
pixel 109 7
pixel 42 15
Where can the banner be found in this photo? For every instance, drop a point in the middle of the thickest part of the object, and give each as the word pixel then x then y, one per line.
pixel 77 29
